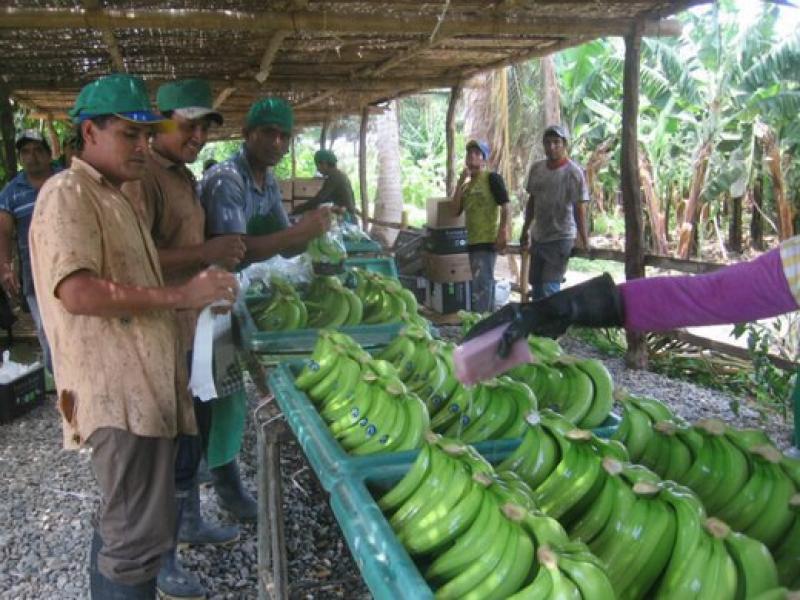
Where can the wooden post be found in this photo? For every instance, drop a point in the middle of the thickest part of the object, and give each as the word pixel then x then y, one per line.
pixel 631 191
pixel 323 134
pixel 362 167
pixel 7 131
pixel 450 136
pixel 294 160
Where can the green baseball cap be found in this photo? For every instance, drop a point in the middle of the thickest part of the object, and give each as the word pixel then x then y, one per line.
pixel 190 98
pixel 122 95
pixel 325 156
pixel 271 111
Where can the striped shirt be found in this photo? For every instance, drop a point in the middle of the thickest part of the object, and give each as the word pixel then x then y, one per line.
pixel 17 199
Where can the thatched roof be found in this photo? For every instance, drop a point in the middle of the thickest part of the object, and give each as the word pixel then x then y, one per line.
pixel 328 57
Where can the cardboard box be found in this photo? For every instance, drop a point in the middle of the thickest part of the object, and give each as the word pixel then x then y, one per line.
pixel 446 298
pixel 440 214
pixel 286 189
pixel 307 188
pixel 447 268
pixel 450 240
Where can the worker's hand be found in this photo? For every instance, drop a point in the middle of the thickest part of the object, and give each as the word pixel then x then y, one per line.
pixel 462 177
pixel 581 243
pixel 209 286
pixel 225 251
pixel 315 222
pixel 9 280
pixel 501 242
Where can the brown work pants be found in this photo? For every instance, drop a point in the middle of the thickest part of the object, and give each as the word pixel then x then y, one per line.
pixel 136 518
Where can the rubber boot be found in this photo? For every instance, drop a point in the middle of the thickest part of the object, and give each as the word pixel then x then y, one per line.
pixel 231 493
pixel 102 588
pixel 203 474
pixel 176 582
pixel 173 581
pixel 193 530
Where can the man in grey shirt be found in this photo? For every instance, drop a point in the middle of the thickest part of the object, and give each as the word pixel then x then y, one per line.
pixel 557 209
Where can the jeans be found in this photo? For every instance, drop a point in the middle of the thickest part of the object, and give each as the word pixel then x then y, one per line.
pixel 37 321
pixel 481 263
pixel 545 289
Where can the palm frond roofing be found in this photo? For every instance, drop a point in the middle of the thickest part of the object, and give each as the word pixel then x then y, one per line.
pixel 328 58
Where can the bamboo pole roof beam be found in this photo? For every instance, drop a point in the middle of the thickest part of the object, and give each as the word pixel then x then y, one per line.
pixel 273 45
pixel 93 6
pixel 320 21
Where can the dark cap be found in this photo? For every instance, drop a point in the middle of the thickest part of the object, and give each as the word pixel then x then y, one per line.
pixel 480 145
pixel 558 131
pixel 31 135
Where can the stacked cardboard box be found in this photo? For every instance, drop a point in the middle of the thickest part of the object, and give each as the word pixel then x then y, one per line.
pixel 446 261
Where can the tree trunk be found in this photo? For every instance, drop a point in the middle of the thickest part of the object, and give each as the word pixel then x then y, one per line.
pixel 7 132
pixel 667 209
pixel 323 134
pixel 362 168
pixel 757 220
pixel 735 225
pixel 484 117
pixel 657 231
pixel 772 159
pixel 598 160
pixel 551 96
pixel 450 136
pixel 636 356
pixel 389 201
pixel 687 233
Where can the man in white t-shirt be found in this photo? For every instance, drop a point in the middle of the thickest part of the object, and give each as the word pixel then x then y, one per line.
pixel 557 210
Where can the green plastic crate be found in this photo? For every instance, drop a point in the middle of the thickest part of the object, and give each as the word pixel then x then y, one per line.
pixel 384 265
pixel 363 247
pixel 301 341
pixel 327 457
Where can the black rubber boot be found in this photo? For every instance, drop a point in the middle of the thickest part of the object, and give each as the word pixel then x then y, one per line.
pixel 193 530
pixel 102 588
pixel 203 474
pixel 231 493
pixel 173 581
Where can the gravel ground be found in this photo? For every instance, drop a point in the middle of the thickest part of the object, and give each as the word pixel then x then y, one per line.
pixel 47 497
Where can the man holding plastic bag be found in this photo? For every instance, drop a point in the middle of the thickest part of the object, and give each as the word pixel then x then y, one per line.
pixel 241 197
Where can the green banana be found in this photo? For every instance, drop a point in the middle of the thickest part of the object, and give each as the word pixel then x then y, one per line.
pixel 787 553
pixel 440 473
pixel 591 523
pixel 603 398
pixel 755 568
pixel 403 489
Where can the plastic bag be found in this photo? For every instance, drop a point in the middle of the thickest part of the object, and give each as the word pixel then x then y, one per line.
pixel 327 252
pixel 255 279
pixel 10 370
pixel 351 232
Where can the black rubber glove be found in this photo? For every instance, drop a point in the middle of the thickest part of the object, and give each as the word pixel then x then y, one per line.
pixel 593 303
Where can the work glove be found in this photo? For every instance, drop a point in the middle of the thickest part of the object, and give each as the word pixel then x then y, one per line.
pixel 593 303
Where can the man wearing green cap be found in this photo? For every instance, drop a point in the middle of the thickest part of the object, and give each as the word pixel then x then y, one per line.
pixel 242 197
pixel 336 189
pixel 111 324
pixel 167 195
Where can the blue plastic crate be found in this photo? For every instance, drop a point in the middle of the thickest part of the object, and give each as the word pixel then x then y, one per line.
pixel 327 457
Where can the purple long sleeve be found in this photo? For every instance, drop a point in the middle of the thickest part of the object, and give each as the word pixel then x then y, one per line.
pixel 742 292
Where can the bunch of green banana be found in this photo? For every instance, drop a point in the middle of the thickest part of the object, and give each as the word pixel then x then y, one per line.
pixel 284 310
pixel 326 249
pixel 638 416
pixel 492 410
pixel 580 389
pixel 787 553
pixel 367 408
pixel 384 298
pixel 570 572
pixel 330 304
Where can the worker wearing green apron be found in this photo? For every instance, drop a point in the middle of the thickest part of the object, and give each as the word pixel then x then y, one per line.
pixel 241 197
